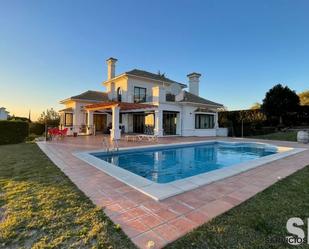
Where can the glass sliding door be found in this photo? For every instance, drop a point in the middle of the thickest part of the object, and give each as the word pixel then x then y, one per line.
pixel 143 123
pixel 169 122
pixel 138 123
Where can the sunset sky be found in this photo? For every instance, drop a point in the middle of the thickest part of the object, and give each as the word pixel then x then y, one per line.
pixel 50 50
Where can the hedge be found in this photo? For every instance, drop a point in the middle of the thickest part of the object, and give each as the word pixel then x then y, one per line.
pixel 36 128
pixel 13 132
pixel 253 121
pixel 256 123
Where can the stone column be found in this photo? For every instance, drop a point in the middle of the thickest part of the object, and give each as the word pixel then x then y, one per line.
pixel 179 124
pixel 216 121
pixel 75 120
pixel 115 131
pixel 90 125
pixel 158 123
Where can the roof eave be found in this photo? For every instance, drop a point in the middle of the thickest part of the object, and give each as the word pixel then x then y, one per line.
pixel 151 79
pixel 80 100
pixel 141 77
pixel 89 100
pixel 113 79
pixel 65 100
pixel 195 103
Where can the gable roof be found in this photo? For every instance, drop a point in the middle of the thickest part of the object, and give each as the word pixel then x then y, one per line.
pixel 70 109
pixel 91 96
pixel 145 74
pixel 192 98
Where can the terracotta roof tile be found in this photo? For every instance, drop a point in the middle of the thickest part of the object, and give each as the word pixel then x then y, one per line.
pixel 154 76
pixel 91 95
pixel 122 105
pixel 192 98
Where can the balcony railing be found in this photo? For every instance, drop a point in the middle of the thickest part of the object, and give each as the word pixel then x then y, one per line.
pixel 143 100
pixel 132 98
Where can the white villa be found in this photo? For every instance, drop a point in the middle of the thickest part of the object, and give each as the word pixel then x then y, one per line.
pixel 142 102
pixel 4 114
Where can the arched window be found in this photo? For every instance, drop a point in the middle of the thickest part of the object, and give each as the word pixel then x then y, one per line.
pixel 119 92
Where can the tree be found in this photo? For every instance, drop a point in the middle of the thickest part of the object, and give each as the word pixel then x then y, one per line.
pixel 304 97
pixel 279 101
pixel 255 106
pixel 50 117
pixel 13 117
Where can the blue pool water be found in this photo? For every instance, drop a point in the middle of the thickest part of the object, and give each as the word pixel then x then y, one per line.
pixel 171 163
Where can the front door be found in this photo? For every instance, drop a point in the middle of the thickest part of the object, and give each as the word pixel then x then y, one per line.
pixel 169 123
pixel 99 120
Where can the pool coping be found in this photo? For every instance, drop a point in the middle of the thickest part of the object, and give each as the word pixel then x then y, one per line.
pixel 161 191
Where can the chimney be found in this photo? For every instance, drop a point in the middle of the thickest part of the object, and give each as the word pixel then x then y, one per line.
pixel 111 67
pixel 194 81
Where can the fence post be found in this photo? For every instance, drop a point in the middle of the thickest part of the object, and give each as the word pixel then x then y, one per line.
pixel 45 131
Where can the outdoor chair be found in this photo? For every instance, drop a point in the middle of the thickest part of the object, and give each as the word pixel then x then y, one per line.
pixel 57 133
pixel 148 137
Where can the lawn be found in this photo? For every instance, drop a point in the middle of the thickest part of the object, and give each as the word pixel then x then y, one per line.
pixel 41 208
pixel 283 136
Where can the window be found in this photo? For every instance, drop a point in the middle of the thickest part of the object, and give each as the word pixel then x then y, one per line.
pixel 119 94
pixel 204 121
pixel 139 94
pixel 170 97
pixel 68 119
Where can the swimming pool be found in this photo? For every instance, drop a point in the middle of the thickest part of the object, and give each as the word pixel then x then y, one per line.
pixel 167 164
pixel 161 171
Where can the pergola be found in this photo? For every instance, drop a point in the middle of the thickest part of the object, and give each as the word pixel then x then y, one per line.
pixel 115 107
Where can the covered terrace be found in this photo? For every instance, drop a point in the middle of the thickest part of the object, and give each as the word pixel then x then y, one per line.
pixel 118 107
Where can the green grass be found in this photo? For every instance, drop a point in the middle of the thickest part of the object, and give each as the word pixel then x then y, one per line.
pixel 257 223
pixel 41 208
pixel 283 136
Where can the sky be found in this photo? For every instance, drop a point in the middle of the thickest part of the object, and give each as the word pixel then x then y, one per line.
pixel 52 49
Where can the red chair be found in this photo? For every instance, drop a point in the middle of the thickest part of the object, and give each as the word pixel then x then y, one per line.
pixel 54 132
pixel 63 132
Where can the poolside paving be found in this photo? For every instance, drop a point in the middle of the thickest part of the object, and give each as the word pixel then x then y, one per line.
pixel 152 224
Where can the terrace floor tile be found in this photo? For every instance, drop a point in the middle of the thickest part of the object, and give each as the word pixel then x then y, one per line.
pixel 156 223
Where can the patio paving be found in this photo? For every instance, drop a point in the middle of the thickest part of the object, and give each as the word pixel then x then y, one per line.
pixel 145 220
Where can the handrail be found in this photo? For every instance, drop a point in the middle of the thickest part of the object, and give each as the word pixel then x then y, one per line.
pixel 106 144
pixel 116 144
pixel 111 145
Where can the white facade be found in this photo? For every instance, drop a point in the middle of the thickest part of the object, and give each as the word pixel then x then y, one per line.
pixel 4 114
pixel 174 112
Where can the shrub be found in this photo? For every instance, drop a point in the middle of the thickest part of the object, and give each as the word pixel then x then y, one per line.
pixel 31 137
pixel 36 128
pixel 13 132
